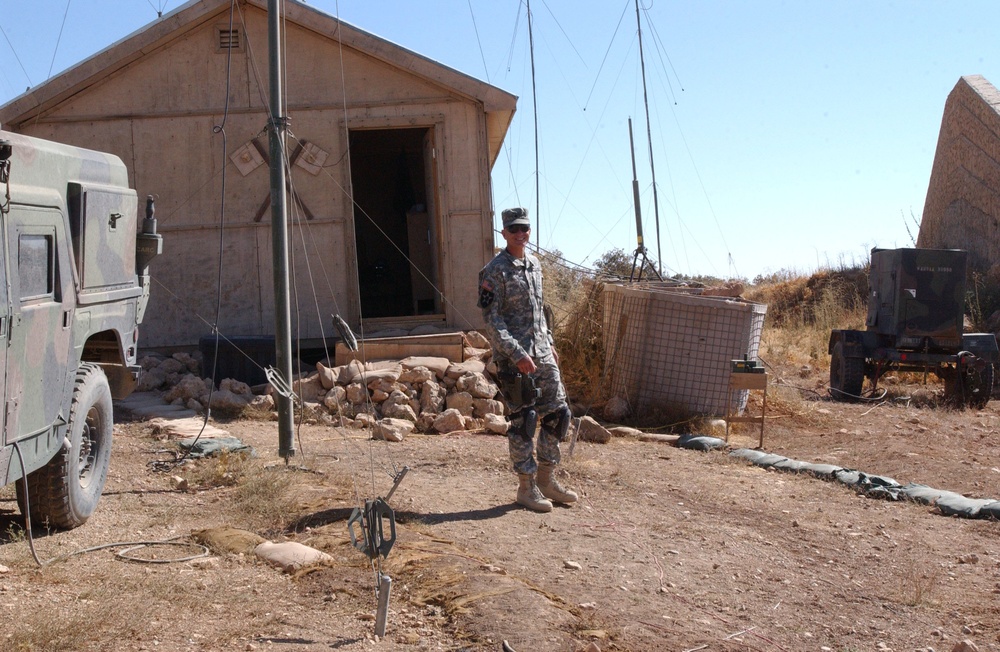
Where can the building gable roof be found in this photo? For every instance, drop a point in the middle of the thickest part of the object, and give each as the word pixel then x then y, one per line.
pixel 498 104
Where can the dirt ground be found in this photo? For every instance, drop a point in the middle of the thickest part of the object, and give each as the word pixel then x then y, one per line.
pixel 668 549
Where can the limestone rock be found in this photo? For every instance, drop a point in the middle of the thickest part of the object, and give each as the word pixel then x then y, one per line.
pixel 236 386
pixel 483 406
pixel 472 353
pixel 224 400
pixel 432 397
pixel 449 421
pixel 496 423
pixel 378 396
pixel 151 379
pixel 309 389
pixel 476 384
pixel 461 401
pixel 965 646
pixel 589 430
pixel 334 399
pixel 416 375
pixel 189 361
pixel 399 411
pixel 391 429
pixel 190 386
pixel 472 423
pixel 616 409
pixel 459 369
pixel 262 402
pixel 357 393
pixel 172 366
pixel 364 420
pixel 477 339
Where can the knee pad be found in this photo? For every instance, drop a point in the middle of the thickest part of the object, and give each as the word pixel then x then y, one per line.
pixel 557 422
pixel 523 423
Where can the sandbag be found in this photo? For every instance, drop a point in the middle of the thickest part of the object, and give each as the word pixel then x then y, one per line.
pixel 822 471
pixel 700 442
pixel 961 506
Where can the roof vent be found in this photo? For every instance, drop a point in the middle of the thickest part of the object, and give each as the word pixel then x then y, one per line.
pixel 229 39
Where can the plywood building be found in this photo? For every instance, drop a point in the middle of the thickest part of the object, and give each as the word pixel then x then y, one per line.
pixel 390 168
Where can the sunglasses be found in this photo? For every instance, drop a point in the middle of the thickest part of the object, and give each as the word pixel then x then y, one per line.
pixel 518 228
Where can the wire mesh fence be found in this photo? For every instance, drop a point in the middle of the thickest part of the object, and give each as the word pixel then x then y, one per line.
pixel 669 347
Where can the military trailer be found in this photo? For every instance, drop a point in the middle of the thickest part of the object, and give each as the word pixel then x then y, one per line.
pixel 916 312
pixel 75 285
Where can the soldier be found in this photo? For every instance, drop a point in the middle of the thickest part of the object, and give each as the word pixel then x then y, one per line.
pixel 510 295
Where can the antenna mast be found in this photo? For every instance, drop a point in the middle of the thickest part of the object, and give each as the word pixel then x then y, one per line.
pixel 278 126
pixel 649 138
pixel 534 101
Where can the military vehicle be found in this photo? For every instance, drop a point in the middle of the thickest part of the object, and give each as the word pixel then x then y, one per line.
pixel 916 313
pixel 74 287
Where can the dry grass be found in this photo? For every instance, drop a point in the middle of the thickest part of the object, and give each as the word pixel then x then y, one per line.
pixel 802 312
pixel 262 494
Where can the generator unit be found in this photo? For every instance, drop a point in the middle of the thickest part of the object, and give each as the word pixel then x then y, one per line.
pixel 916 312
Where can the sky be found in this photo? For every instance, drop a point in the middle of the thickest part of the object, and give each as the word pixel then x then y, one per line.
pixel 787 135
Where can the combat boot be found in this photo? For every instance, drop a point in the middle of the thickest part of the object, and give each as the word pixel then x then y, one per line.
pixel 529 496
pixel 551 488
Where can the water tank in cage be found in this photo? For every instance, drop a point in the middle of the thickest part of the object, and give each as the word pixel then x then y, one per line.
pixel 667 348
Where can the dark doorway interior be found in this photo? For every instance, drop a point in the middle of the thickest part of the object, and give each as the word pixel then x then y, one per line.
pixel 391 223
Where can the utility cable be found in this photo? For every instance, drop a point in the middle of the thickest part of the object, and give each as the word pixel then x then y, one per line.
pixel 59 38
pixel 218 129
pixel 6 38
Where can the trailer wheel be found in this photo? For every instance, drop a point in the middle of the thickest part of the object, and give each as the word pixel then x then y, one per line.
pixel 985 386
pixel 64 492
pixel 969 387
pixel 847 375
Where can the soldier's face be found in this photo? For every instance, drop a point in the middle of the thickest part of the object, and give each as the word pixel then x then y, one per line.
pixel 518 236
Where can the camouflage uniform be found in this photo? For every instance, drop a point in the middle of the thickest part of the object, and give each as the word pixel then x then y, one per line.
pixel 510 295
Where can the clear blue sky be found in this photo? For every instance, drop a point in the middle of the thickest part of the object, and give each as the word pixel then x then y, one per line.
pixel 803 136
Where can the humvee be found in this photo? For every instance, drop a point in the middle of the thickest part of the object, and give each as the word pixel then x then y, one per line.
pixel 915 322
pixel 74 284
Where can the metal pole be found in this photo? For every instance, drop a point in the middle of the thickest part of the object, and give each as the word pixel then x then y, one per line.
pixel 649 138
pixel 635 190
pixel 534 101
pixel 382 613
pixel 278 124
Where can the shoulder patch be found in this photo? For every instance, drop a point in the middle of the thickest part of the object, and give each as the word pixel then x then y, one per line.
pixel 486 293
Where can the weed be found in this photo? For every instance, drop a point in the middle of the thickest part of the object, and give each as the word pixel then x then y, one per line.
pixel 263 495
pixel 916 585
pixel 15 534
pixel 223 470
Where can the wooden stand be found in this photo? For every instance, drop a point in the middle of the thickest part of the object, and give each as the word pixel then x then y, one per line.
pixel 746 381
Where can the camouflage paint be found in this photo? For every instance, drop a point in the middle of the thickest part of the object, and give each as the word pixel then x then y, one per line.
pixel 71 292
pixel 917 293
pixel 510 296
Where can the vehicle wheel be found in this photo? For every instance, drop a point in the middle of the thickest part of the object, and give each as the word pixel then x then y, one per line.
pixel 64 492
pixel 969 388
pixel 979 387
pixel 847 375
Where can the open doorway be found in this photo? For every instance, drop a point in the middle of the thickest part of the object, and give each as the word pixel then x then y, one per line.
pixel 394 221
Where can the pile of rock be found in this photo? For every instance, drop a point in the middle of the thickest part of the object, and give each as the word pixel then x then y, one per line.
pixel 395 397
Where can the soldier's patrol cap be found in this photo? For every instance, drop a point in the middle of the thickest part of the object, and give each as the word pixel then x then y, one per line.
pixel 515 216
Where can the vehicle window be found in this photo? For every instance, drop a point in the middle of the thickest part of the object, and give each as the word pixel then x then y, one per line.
pixel 35 266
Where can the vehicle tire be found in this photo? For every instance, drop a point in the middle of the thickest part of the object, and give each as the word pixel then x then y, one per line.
pixel 970 388
pixel 979 388
pixel 847 375
pixel 64 492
